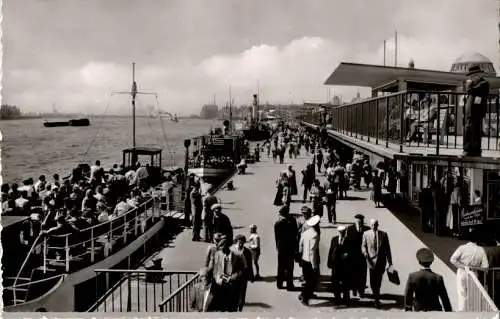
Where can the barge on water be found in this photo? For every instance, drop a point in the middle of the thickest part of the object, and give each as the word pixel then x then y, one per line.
pixel 73 122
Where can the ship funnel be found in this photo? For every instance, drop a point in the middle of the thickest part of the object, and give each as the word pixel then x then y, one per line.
pixel 255 106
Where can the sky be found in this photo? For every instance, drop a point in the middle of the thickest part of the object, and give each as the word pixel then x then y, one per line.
pixel 73 54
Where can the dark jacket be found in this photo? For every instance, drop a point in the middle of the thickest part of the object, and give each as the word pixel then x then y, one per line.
pixel 477 92
pixel 340 260
pixel 222 225
pixel 286 234
pixel 425 291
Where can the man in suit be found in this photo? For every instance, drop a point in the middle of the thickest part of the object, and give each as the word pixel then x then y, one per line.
pixel 477 89
pixel 227 269
pixel 377 252
pixel 201 297
pixel 424 288
pixel 286 235
pixel 340 261
pixel 355 234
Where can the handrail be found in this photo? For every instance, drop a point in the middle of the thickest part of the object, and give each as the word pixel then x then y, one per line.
pixel 111 220
pixel 25 262
pixel 177 291
pixel 34 282
pixel 482 291
pixel 145 271
pixel 107 294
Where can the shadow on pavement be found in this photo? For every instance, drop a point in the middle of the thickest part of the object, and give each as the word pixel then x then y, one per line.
pixel 258 304
pixel 442 246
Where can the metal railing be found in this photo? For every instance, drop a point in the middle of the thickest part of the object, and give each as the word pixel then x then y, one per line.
pixel 137 290
pixel 99 241
pixel 479 297
pixel 405 120
pixel 24 290
pixel 180 299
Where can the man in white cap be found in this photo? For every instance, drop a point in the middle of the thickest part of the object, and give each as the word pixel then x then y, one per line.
pixel 340 260
pixel 377 251
pixel 308 250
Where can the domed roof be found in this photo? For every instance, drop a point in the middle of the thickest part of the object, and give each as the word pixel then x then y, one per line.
pixel 472 58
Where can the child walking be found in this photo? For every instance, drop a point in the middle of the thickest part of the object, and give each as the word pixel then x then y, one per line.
pixel 254 245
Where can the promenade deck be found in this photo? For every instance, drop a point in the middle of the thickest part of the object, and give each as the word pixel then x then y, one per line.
pixel 251 202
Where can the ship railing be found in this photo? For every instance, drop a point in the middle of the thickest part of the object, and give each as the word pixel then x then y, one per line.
pixel 482 289
pixel 423 119
pixel 40 286
pixel 180 300
pixel 137 290
pixel 62 249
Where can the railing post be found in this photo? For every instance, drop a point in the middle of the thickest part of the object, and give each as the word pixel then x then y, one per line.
pixel 369 131
pixel 377 128
pixel 129 294
pixel 125 226
pixel 136 224
pixel 92 253
pixel 386 122
pixel 67 252
pixel 438 126
pixel 401 121
pixel 110 236
pixel 45 251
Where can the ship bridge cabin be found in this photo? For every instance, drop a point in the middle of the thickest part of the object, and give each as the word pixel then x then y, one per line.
pixel 148 156
pixel 414 121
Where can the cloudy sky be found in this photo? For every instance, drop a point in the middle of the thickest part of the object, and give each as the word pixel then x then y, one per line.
pixel 74 53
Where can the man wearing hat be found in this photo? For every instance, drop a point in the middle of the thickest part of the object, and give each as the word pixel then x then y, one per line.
pixel 425 290
pixel 355 234
pixel 309 254
pixel 477 90
pixel 341 257
pixel 221 223
pixel 213 248
pixel 208 217
pixel 285 235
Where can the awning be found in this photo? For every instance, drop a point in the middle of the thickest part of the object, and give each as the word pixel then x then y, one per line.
pixel 368 75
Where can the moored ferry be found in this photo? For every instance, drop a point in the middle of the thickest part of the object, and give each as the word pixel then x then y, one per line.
pixel 55 270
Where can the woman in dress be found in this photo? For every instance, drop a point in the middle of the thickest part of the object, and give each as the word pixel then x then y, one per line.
pixel 376 193
pixel 468 255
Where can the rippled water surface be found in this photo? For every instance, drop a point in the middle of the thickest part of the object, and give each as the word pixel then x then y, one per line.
pixel 29 149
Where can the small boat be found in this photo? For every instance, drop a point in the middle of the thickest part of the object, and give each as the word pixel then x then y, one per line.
pixel 55 124
pixel 79 122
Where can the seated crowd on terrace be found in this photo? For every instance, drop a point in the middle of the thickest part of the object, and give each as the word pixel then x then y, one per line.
pixel 212 161
pixel 87 197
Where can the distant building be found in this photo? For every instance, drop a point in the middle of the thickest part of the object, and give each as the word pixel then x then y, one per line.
pixel 209 111
pixel 463 62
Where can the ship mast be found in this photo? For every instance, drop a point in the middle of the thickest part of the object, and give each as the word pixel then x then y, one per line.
pixel 133 92
pixel 230 110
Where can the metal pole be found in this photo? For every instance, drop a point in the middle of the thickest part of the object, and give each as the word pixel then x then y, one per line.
pixel 396 48
pixel 385 43
pixel 134 93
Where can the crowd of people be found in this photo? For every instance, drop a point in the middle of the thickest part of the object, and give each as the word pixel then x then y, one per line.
pixel 89 196
pixel 357 253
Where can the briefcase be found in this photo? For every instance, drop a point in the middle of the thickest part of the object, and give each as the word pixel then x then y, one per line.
pixel 393 276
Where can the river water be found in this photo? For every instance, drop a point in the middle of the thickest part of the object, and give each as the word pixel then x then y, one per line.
pixel 29 149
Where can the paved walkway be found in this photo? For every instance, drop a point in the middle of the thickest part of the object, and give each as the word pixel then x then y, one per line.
pixel 251 202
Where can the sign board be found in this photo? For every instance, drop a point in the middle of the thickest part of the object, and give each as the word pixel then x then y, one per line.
pixel 471 216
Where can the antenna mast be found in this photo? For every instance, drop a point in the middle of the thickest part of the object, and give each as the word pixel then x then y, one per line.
pixel 230 110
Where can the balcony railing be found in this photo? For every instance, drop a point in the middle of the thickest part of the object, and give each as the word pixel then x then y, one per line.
pixel 426 121
pixel 137 290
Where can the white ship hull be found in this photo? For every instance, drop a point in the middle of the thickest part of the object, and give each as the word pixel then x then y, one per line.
pixel 209 172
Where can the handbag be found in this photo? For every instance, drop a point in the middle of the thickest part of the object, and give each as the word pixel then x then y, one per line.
pixel 393 275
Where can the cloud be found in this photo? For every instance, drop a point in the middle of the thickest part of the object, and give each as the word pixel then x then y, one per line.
pixel 288 52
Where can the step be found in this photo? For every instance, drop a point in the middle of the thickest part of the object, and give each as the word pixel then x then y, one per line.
pixel 40 268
